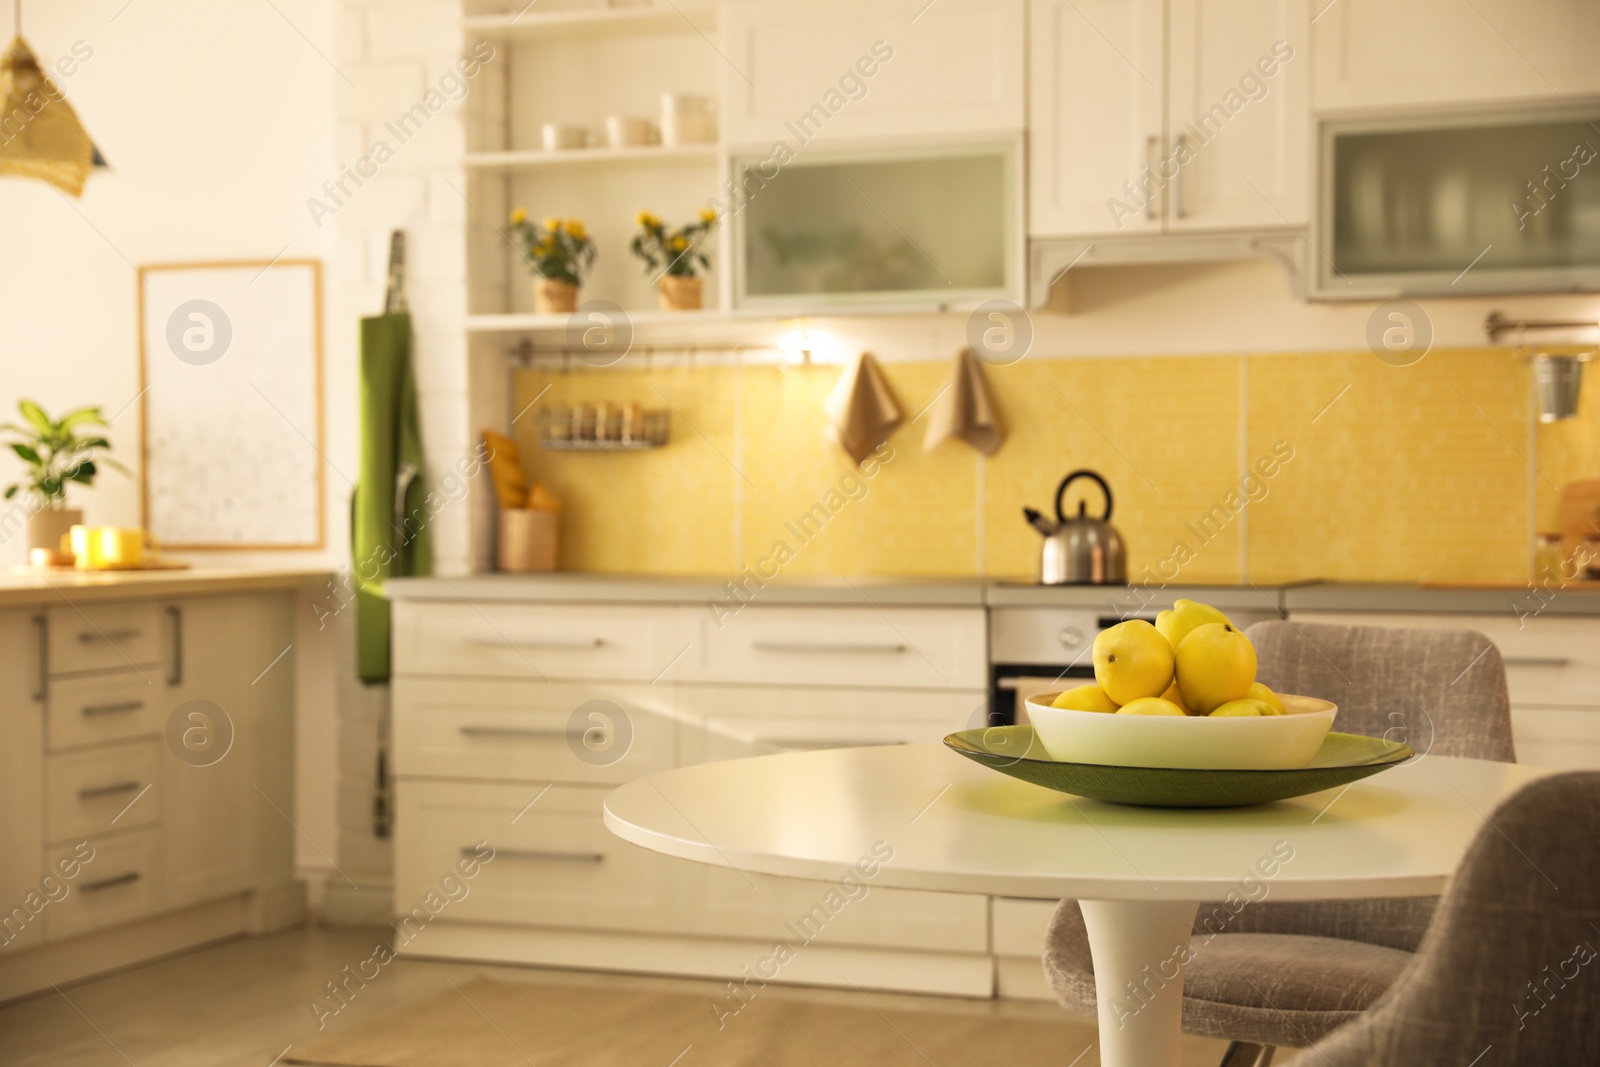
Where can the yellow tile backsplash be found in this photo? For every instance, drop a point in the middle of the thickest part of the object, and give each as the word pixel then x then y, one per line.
pixel 1224 468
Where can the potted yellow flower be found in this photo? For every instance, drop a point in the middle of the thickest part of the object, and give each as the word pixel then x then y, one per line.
pixel 677 256
pixel 559 252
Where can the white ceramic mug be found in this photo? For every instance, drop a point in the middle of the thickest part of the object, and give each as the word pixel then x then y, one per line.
pixel 686 118
pixel 558 137
pixel 629 131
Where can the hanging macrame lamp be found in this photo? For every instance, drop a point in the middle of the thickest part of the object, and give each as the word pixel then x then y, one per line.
pixel 40 135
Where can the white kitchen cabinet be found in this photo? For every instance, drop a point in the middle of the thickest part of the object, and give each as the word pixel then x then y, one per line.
pixel 895 648
pixel 91 779
pixel 1552 674
pixel 1096 113
pixel 554 864
pixel 838 70
pixel 221 834
pixel 1250 131
pixel 497 759
pixel 1379 54
pixel 1158 116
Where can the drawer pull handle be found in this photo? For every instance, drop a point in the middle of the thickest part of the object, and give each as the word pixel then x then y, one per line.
pixel 108 636
pixel 510 731
pixel 500 642
pixel 1536 661
pixel 824 649
pixel 111 709
pixel 43 626
pixel 542 855
pixel 109 790
pixel 115 880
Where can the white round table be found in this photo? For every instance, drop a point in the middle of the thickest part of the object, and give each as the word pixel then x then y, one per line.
pixel 1140 873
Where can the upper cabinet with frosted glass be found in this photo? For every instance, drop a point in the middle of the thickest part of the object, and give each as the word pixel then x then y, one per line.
pixel 1484 202
pixel 875 153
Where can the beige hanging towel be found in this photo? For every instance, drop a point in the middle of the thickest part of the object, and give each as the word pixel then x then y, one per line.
pixel 966 409
pixel 862 410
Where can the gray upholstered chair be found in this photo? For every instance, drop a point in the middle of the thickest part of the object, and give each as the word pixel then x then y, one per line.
pixel 1509 963
pixel 1288 974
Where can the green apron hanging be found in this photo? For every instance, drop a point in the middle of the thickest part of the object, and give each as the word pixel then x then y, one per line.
pixel 389 535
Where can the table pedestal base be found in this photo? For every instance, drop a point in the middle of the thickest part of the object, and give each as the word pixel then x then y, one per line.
pixel 1139 948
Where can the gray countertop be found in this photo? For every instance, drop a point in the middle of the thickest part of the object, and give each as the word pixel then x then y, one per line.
pixel 1572 599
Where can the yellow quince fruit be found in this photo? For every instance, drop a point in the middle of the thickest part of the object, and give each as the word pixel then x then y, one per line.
pixel 1215 664
pixel 1132 660
pixel 1260 692
pixel 1180 620
pixel 1084 698
pixel 1150 706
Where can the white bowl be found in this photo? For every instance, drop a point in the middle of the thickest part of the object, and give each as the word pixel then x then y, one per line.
pixel 1195 742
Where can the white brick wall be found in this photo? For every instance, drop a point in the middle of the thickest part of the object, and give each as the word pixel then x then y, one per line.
pixel 392 51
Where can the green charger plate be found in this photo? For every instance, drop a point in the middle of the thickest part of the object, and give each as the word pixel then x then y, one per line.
pixel 1015 750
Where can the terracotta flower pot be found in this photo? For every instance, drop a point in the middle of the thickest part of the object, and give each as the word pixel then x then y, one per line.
pixel 552 297
pixel 678 292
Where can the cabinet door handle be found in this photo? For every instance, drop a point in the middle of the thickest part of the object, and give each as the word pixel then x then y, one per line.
pixel 555 642
pixel 542 855
pixel 1180 148
pixel 175 676
pixel 43 692
pixel 127 878
pixel 1152 145
pixel 110 709
pixel 108 636
pixel 1536 661
pixel 510 731
pixel 112 790
pixel 824 648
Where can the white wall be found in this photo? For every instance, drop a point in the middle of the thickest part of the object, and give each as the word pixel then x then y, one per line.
pixel 217 121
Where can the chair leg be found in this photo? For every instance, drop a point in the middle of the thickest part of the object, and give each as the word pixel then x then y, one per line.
pixel 1244 1054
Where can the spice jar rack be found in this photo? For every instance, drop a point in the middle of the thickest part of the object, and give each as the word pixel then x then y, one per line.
pixel 603 427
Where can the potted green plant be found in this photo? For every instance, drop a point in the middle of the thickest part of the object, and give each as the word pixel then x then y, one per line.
pixel 676 256
pixel 58 453
pixel 559 252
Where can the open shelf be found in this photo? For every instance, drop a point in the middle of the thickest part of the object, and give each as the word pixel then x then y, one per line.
pixel 601 22
pixel 578 157
pixel 558 323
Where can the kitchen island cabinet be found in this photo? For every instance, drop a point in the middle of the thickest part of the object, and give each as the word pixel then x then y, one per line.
pixel 142 733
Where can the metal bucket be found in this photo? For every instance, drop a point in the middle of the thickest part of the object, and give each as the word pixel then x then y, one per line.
pixel 1559 379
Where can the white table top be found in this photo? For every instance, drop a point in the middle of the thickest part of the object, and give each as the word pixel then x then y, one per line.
pixel 960 827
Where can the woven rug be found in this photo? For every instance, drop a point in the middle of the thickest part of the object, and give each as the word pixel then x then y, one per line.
pixel 487 1023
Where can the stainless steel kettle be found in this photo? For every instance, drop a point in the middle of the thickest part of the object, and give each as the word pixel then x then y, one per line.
pixel 1082 550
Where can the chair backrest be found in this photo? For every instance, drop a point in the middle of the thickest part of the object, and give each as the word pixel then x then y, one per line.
pixel 1509 971
pixel 1437 690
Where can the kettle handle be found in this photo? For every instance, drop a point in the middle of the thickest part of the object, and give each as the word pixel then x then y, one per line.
pixel 1061 493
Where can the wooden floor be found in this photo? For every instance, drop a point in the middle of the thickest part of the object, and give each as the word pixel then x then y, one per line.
pixel 245 1002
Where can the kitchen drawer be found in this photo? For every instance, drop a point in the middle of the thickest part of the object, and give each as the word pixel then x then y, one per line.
pixel 730 722
pixel 530 731
pixel 1549 659
pixel 120 882
pixel 85 791
pixel 105 707
pixel 537 641
pixel 99 637
pixel 1562 738
pixel 554 863
pixel 927 648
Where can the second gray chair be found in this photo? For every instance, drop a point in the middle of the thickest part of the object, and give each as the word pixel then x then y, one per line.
pixel 1508 971
pixel 1288 974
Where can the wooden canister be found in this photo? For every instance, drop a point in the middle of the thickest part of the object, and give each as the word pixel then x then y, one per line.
pixel 527 540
